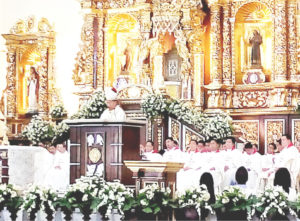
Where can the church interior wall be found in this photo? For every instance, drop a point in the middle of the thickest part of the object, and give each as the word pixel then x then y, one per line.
pixel 67 20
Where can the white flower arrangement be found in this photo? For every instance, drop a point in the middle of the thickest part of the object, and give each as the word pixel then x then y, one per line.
pixel 58 111
pixel 196 197
pixel 273 200
pixel 154 105
pixel 217 126
pixel 37 198
pixel 94 107
pixel 232 199
pixel 38 130
pixel 115 195
pixel 7 192
pixel 61 133
pixel 153 199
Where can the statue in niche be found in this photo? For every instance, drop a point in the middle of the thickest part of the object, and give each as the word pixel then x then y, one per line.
pixel 33 91
pixel 125 60
pixel 255 41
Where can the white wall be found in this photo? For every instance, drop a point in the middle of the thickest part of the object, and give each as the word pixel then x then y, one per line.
pixel 67 19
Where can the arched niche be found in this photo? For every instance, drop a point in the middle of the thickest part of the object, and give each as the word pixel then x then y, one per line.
pixel 250 17
pixel 123 39
pixel 30 58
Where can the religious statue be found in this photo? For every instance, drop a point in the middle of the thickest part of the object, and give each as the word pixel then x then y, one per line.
pixel 126 59
pixel 33 91
pixel 255 41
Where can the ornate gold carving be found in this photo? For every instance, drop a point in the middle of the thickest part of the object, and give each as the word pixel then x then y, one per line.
pixel 43 91
pixel 196 35
pixel 278 97
pixel 213 100
pixel 280 41
pixel 11 83
pixel 175 129
pixel 183 52
pixel 190 135
pixel 247 129
pixel 296 129
pixel 83 72
pixel 292 41
pixel 274 130
pixel 100 53
pixel 215 45
pixel 227 45
pixel 249 99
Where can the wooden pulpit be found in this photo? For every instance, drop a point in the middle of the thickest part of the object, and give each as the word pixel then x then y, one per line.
pixel 100 148
pixel 161 173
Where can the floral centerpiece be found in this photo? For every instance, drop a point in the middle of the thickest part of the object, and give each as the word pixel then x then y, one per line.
pixel 272 202
pixel 232 204
pixel 196 197
pixel 38 131
pixel 115 195
pixel 58 111
pixel 155 200
pixel 9 198
pixel 94 107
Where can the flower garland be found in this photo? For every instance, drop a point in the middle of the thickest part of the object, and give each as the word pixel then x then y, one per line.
pixel 217 126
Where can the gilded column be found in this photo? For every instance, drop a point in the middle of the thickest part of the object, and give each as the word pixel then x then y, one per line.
pixel 280 41
pixel 227 77
pixel 11 82
pixel 292 41
pixel 215 44
pixel 43 83
pixel 100 53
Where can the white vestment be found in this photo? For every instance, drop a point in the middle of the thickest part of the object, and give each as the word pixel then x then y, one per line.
pixel 117 114
pixel 32 100
pixel 58 175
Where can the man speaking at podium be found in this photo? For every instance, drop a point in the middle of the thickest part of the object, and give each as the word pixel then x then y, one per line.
pixel 113 112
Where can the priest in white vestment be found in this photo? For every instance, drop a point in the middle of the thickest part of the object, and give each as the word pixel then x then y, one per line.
pixel 113 112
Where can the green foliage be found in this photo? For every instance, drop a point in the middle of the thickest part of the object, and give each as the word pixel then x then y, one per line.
pixel 94 107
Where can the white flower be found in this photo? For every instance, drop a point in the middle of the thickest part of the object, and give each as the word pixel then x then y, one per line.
pixel 85 197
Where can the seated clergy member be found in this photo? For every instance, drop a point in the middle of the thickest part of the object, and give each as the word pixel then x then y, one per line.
pixel 148 152
pixel 172 151
pixel 251 160
pixel 113 112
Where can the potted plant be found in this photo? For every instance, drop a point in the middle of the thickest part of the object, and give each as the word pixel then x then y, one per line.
pixel 232 204
pixel 154 201
pixel 115 199
pixel 58 112
pixel 192 201
pixel 33 201
pixel 10 199
pixel 273 204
